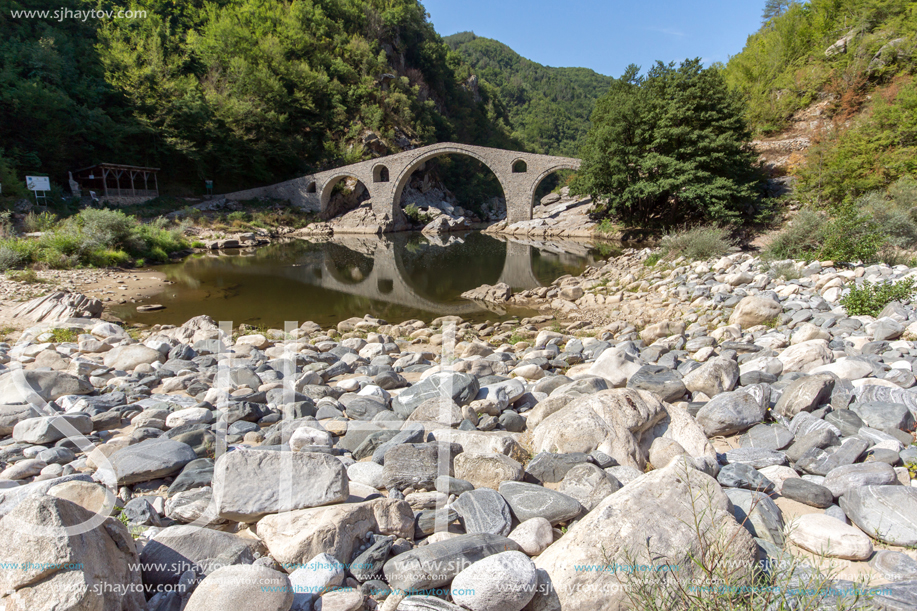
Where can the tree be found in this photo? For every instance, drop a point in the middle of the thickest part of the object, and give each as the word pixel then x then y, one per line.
pixel 670 148
pixel 773 8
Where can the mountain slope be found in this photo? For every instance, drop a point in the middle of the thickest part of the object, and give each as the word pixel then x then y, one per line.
pixel 548 107
pixel 237 91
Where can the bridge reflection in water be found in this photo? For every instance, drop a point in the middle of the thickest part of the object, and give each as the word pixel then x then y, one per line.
pixel 398 276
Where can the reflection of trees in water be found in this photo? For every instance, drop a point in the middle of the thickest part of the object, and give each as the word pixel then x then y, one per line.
pixel 443 273
pixel 346 265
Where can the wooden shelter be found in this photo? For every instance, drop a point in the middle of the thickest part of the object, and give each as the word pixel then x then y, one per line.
pixel 117 180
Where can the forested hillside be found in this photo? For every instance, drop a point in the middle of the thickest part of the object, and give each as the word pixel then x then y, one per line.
pixel 856 58
pixel 239 91
pixel 548 108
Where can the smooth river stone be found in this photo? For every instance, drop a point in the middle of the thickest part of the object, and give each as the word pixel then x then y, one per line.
pixel 886 513
pixel 145 461
pixel 460 387
pixel 756 457
pixel 843 479
pixel 758 514
pixel 530 501
pixel 767 436
pixel 483 511
pixel 436 564
pixel 821 534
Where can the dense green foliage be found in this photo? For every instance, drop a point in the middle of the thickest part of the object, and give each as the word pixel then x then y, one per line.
pixel 870 298
pixel 877 226
pixel 548 107
pixel 784 67
pixel 876 150
pixel 669 148
pixel 238 91
pixel 99 238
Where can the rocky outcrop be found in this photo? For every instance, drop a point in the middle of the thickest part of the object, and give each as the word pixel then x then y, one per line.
pixel 58 306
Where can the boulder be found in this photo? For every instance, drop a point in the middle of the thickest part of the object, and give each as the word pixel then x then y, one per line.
pixel 504 581
pixel 611 421
pixel 67 559
pixel 752 311
pixel 824 535
pixel 729 413
pixel 885 513
pixel 127 358
pixel 483 511
pixel 649 521
pixel 715 376
pixel 806 356
pixel 176 549
pixel 45 430
pixel 487 470
pixel 437 564
pixel 245 586
pixel 19 386
pixel 296 536
pixel 249 484
pixel 58 306
pixel 529 501
pixel 145 461
pixel 459 387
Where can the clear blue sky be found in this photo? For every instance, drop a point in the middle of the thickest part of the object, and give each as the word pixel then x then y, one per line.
pixel 605 35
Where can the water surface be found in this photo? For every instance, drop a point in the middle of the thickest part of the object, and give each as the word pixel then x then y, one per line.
pixel 396 278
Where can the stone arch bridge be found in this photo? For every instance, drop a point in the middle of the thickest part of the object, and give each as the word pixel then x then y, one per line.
pixel 386 177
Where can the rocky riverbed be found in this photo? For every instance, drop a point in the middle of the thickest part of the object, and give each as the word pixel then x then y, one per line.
pixel 686 411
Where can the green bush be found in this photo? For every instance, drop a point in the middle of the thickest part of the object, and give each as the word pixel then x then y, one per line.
pixel 415 215
pixel 870 298
pixel 849 235
pixel 697 243
pixel 653 259
pixel 237 216
pixel 44 221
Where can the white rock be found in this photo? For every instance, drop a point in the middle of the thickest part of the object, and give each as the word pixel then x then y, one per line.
pixel 189 415
pixel 806 356
pixel 533 536
pixel 504 582
pixel 822 534
pixel 308 436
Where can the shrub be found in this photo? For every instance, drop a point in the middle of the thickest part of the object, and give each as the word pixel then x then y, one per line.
pixel 697 243
pixel 847 236
pixel 63 336
pixel 237 216
pixel 108 257
pixel 39 222
pixel 870 298
pixel 198 244
pixel 29 276
pixel 653 259
pixel 9 258
pixel 415 215
pixel 851 236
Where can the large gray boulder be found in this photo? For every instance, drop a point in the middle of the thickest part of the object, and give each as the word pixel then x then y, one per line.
pixel 176 549
pixel 730 412
pixel 250 484
pixel 886 513
pixel 45 430
pixel 145 461
pixel 64 563
pixel 650 521
pixel 21 386
pixel 459 387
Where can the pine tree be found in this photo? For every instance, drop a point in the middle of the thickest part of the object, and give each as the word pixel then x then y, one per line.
pixel 773 8
pixel 670 148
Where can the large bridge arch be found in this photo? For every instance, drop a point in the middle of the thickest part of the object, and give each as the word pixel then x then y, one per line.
pixel 438 150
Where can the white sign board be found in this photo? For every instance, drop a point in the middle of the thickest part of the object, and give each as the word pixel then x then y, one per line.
pixel 38 183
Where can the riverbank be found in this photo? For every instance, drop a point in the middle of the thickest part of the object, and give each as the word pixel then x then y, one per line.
pixel 760 413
